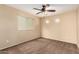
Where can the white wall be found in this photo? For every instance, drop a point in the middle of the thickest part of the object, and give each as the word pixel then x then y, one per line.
pixel 9 35
pixel 63 31
pixel 77 27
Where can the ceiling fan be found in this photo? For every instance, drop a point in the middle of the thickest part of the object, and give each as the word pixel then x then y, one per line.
pixel 43 9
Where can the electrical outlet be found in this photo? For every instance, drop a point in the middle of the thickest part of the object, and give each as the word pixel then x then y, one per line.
pixel 7 41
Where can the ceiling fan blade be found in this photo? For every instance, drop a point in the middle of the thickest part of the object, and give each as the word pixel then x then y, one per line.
pixel 37 9
pixel 38 12
pixel 51 10
pixel 47 5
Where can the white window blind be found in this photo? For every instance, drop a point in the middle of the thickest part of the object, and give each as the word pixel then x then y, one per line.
pixel 24 23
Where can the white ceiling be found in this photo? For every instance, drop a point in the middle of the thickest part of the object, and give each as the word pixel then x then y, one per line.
pixel 60 8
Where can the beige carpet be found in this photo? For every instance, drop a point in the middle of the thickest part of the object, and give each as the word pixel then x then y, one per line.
pixel 43 46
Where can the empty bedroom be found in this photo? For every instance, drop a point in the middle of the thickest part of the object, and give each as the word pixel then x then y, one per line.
pixel 39 28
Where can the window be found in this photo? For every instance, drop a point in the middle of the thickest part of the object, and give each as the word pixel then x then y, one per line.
pixel 24 23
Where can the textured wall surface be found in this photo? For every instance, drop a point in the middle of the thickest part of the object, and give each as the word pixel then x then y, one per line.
pixel 9 33
pixel 65 30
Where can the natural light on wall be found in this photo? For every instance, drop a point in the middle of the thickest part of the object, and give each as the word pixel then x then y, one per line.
pixel 47 21
pixel 57 20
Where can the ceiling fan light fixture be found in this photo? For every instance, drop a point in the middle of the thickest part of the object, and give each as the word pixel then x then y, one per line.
pixel 45 8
